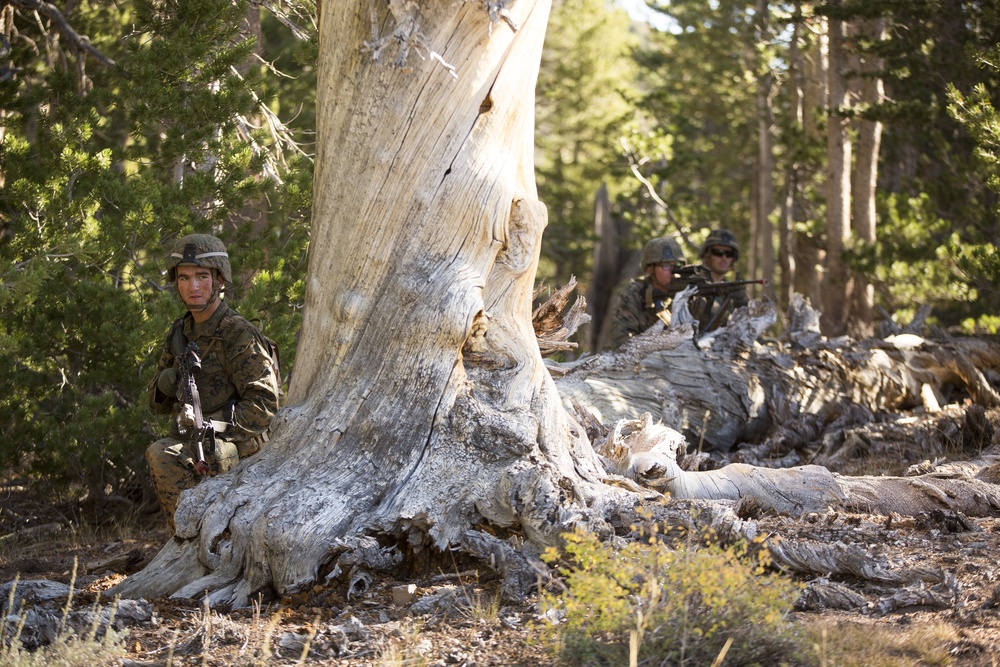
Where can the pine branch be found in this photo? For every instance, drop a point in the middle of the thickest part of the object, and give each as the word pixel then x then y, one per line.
pixel 81 42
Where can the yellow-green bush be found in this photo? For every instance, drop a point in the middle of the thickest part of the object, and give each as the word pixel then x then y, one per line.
pixel 670 607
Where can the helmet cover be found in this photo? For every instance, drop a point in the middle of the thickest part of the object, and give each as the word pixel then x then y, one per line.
pixel 660 250
pixel 722 237
pixel 199 250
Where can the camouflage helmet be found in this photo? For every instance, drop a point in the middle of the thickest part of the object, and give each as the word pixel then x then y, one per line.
pixel 722 237
pixel 661 249
pixel 199 250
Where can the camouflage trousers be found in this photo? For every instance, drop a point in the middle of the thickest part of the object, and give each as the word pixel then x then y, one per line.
pixel 172 469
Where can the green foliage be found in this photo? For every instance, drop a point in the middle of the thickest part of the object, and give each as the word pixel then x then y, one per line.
pixel 676 607
pixel 696 129
pixel 939 206
pixel 584 84
pixel 695 132
pixel 915 264
pixel 103 167
pixel 980 261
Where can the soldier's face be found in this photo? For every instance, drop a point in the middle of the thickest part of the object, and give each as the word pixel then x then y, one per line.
pixel 194 285
pixel 719 259
pixel 662 274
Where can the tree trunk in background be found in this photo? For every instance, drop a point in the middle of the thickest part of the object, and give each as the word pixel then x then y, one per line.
pixel 865 178
pixel 809 254
pixel 836 280
pixel 610 260
pixel 419 407
pixel 765 158
pixel 753 250
pixel 786 221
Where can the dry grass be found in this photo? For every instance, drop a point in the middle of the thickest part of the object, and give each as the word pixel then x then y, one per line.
pixel 850 644
pixel 97 645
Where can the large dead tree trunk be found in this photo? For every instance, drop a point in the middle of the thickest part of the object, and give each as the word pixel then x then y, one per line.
pixel 419 406
pixel 730 390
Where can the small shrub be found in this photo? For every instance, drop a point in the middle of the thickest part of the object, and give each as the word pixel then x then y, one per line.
pixel 646 603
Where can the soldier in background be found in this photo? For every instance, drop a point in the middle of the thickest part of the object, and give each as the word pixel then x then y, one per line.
pixel 712 308
pixel 647 299
pixel 237 383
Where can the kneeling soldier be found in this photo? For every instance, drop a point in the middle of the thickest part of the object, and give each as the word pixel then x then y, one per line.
pixel 217 376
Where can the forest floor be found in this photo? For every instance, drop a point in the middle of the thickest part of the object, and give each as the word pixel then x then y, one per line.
pixel 455 618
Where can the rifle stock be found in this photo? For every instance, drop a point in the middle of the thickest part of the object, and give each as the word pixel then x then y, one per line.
pixel 202 436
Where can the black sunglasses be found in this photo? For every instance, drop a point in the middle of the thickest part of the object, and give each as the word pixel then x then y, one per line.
pixel 723 253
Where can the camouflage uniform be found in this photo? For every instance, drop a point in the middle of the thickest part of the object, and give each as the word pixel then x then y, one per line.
pixel 638 304
pixel 238 387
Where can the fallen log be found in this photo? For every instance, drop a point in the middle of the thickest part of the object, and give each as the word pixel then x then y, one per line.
pixel 731 391
pixel 785 405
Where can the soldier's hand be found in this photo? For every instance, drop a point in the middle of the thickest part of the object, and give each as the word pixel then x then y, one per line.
pixel 185 418
pixel 166 381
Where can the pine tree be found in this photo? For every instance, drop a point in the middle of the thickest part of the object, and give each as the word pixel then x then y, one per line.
pixel 107 154
pixel 584 89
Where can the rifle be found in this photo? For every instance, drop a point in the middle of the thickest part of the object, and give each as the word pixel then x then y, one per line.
pixel 726 289
pixel 202 436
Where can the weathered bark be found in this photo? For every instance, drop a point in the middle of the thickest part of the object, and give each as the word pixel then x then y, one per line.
pixel 727 396
pixel 419 405
pixel 732 391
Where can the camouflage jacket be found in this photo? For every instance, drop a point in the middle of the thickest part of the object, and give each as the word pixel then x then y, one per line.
pixel 705 307
pixel 636 309
pixel 237 384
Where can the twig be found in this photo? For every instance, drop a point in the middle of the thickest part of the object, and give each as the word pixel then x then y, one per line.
pixel 81 42
pixel 630 156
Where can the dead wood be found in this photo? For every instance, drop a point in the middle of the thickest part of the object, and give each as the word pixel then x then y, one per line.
pixel 944 595
pixel 554 325
pixel 845 560
pixel 795 412
pixel 32 533
pixel 821 594
pixel 121 563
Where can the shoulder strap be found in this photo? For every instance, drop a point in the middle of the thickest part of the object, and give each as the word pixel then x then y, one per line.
pixel 178 341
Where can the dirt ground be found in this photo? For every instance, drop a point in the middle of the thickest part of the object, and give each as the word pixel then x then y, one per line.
pixel 457 619
pixel 941 581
